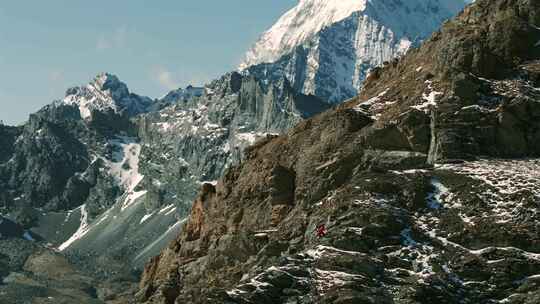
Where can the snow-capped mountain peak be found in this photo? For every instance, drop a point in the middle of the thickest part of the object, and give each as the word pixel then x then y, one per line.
pixel 298 25
pixel 326 47
pixel 106 92
pixel 110 85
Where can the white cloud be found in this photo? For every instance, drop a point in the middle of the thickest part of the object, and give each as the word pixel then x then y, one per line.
pixel 164 78
pixel 198 79
pixel 170 80
pixel 115 39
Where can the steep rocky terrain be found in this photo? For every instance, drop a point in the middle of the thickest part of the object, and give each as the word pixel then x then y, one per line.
pixel 427 183
pixel 185 144
pixel 194 141
pixel 107 177
pixel 327 47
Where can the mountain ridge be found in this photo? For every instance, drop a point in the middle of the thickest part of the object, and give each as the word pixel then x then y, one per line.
pixel 106 92
pixel 326 48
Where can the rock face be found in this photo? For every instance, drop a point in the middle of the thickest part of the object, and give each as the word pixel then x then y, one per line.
pixel 194 141
pixel 46 155
pixel 54 160
pixel 326 47
pixel 61 174
pixel 407 178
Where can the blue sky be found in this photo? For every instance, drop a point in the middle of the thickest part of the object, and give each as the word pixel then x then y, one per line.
pixel 153 46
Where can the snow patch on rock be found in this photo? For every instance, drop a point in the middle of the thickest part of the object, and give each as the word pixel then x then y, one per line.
pixel 124 166
pixel 500 181
pixel 81 232
pixel 435 198
pixel 430 99
pixel 106 93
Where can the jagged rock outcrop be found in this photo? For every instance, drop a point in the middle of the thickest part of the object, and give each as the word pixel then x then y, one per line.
pixel 407 178
pixel 195 140
pixel 327 47
pixel 58 159
pixel 106 93
pixel 181 94
pixel 46 155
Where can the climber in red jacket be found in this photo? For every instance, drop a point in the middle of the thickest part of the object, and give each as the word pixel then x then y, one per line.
pixel 321 230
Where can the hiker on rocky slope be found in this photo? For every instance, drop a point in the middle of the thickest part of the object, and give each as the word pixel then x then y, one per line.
pixel 321 230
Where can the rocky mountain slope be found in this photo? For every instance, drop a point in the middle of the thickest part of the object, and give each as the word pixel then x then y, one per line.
pixel 107 177
pixel 421 182
pixel 326 48
pixel 55 158
pixel 201 137
pixel 176 150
